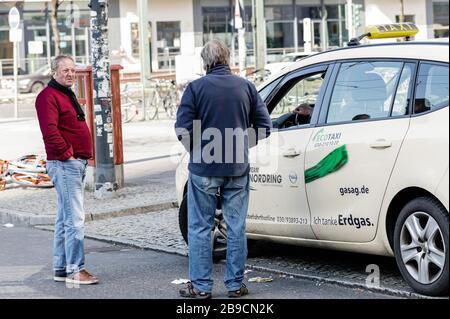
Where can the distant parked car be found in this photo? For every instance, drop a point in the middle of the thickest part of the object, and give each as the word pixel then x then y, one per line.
pixel 35 82
pixel 29 83
pixel 286 60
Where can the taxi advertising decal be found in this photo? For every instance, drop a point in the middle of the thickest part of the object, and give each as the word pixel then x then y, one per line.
pixel 330 164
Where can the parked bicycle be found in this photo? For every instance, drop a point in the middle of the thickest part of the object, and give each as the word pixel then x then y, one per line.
pixel 169 97
pixel 160 96
pixel 28 171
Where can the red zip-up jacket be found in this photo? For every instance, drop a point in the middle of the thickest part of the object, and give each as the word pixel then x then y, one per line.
pixel 64 136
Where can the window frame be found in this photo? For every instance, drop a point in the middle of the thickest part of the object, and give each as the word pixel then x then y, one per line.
pixel 328 95
pixel 413 99
pixel 411 91
pixel 297 75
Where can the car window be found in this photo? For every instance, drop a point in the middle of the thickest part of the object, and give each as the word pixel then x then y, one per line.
pixel 364 90
pixel 295 107
pixel 265 92
pixel 401 103
pixel 432 88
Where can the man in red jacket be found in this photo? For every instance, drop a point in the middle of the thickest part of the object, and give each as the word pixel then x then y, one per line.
pixel 68 145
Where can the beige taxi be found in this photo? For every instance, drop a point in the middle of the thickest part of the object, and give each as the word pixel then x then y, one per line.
pixel 367 170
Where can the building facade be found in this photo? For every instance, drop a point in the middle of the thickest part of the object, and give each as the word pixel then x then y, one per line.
pixel 180 26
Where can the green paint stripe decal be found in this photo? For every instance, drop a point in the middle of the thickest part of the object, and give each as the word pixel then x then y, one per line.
pixel 330 164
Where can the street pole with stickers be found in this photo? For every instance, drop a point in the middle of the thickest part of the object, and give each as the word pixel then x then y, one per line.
pixel 105 183
pixel 15 36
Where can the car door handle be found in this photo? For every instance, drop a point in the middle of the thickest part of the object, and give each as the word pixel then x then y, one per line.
pixel 291 153
pixel 381 143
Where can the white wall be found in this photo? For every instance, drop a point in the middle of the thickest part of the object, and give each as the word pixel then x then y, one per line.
pixel 384 11
pixel 159 11
pixel 174 10
pixel 128 15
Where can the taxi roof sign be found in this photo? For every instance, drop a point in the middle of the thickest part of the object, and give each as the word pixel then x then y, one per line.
pixel 396 30
pixel 386 31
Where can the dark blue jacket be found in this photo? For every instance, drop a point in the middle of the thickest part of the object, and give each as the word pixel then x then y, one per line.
pixel 224 104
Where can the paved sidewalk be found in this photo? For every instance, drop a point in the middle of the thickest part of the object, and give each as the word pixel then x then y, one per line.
pixel 28 207
pixel 150 153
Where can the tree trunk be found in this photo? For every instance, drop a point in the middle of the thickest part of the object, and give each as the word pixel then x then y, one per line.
pixel 55 30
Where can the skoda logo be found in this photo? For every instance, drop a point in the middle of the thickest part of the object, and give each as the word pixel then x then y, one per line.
pixel 293 177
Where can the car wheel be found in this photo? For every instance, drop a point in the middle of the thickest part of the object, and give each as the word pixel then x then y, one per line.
pixel 218 233
pixel 421 246
pixel 37 87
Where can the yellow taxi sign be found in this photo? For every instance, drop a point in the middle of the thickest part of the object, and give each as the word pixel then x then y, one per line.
pixel 394 30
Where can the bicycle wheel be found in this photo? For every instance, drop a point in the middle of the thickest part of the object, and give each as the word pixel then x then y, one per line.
pixel 171 105
pixel 152 105
pixel 30 163
pixel 32 180
pixel 128 113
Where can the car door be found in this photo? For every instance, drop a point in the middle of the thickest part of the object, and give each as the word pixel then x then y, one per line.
pixel 353 150
pixel 278 204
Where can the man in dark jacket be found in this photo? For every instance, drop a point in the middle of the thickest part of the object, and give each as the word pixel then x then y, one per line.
pixel 219 117
pixel 68 145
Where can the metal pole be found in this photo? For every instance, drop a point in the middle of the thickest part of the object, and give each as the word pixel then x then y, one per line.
pixel 259 27
pixel 307 35
pixel 341 41
pixel 72 28
pixel 233 50
pixel 402 11
pixel 16 80
pixel 86 44
pixel 242 53
pixel 296 34
pixel 349 19
pixel 324 27
pixel 105 176
pixel 144 48
pixel 47 32
pixel 240 25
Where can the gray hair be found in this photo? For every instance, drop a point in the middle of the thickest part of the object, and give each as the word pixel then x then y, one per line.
pixel 214 53
pixel 55 61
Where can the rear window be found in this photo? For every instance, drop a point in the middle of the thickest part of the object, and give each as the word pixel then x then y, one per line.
pixel 432 88
pixel 364 90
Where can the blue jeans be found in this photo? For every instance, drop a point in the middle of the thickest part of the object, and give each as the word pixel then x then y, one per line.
pixel 69 180
pixel 202 203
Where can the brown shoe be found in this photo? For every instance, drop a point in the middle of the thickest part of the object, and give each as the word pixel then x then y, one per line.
pixel 82 278
pixel 238 293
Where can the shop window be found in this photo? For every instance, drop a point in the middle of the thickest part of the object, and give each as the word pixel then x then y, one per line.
pixel 440 19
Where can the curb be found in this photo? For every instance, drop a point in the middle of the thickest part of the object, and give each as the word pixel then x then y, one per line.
pixel 30 220
pixel 131 211
pixel 344 283
pixel 124 242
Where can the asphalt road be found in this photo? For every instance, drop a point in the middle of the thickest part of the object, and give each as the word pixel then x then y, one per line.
pixel 128 273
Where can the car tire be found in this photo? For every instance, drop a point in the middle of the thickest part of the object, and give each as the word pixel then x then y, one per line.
pixel 37 87
pixel 219 245
pixel 421 246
